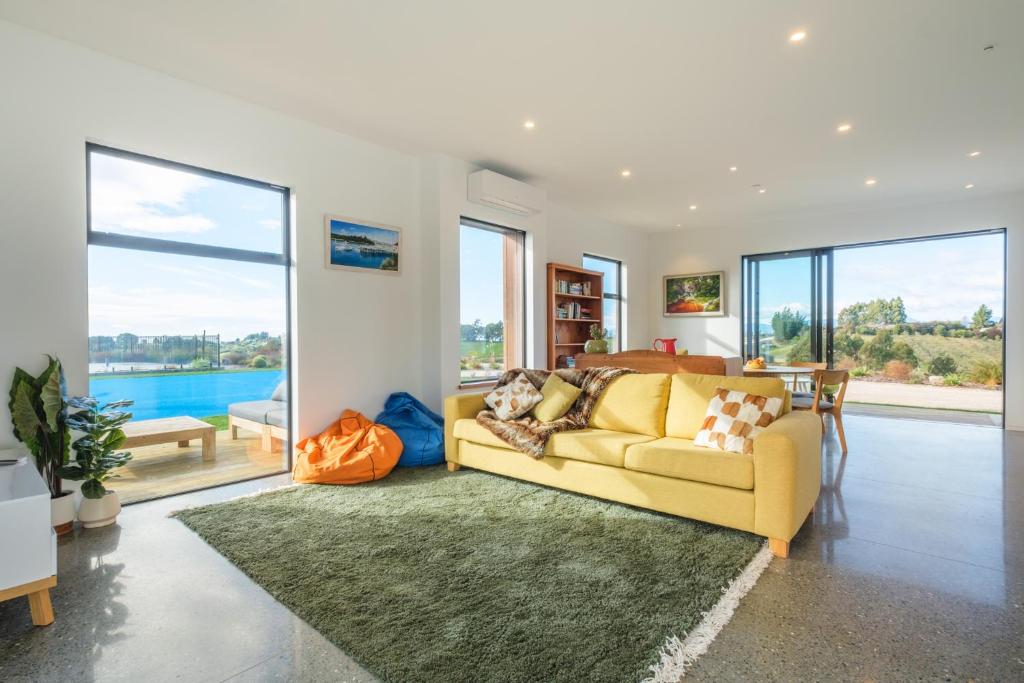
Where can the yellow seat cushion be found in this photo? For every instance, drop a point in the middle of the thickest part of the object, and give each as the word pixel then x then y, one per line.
pixel 559 396
pixel 586 445
pixel 634 403
pixel 690 395
pixel 680 459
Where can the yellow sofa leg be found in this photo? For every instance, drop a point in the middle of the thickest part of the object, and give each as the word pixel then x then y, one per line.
pixel 453 466
pixel 779 547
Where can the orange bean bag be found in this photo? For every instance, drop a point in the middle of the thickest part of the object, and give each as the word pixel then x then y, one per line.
pixel 350 451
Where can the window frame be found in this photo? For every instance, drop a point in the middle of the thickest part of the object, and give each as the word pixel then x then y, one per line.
pixel 520 235
pixel 150 244
pixel 614 296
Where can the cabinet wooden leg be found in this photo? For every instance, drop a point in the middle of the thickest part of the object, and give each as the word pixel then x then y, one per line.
pixel 779 547
pixel 453 466
pixel 41 607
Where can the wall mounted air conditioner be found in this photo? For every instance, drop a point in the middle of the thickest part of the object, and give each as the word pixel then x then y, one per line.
pixel 501 192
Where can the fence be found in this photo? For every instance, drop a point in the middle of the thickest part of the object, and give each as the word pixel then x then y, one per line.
pixel 169 350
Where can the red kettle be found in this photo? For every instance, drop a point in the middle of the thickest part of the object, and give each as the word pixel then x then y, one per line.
pixel 666 345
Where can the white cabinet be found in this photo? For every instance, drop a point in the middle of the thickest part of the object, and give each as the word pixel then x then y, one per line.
pixel 28 545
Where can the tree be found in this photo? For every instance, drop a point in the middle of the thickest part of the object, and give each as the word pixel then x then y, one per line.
pixel 467 332
pixel 941 330
pixel 846 344
pixel 787 324
pixel 494 332
pixel 982 318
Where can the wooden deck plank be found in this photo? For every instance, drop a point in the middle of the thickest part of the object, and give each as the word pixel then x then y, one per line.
pixel 166 469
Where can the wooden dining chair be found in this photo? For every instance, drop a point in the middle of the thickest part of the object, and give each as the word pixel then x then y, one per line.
pixel 818 404
pixel 798 379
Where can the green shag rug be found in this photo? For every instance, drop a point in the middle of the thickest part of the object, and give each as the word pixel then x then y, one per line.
pixel 433 576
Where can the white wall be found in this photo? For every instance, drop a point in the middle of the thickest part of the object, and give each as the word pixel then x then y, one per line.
pixel 358 336
pixel 555 234
pixel 722 247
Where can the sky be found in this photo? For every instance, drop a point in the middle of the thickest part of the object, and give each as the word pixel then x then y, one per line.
pixel 148 293
pixel 481 279
pixel 944 279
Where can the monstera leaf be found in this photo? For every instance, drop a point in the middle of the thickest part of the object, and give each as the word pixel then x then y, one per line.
pixel 24 416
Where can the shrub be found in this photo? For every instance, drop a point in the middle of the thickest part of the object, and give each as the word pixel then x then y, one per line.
pixel 848 345
pixel 259 362
pixel 898 369
pixel 918 376
pixel 952 380
pixel 941 331
pixel 942 364
pixel 987 372
pixel 859 372
pixel 202 364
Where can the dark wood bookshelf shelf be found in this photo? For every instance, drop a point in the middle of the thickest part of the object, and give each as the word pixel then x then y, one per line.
pixel 571 336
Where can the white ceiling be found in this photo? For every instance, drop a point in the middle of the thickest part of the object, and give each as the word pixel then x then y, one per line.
pixel 676 91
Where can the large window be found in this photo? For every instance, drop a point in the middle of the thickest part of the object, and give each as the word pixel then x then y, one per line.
pixel 917 322
pixel 612 296
pixel 492 332
pixel 188 318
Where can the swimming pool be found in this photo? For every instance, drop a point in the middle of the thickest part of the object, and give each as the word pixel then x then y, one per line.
pixel 198 395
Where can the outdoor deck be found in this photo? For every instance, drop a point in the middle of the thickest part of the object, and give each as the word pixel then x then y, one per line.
pixel 166 469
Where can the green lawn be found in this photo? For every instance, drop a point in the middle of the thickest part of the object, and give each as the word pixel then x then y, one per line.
pixel 966 352
pixel 482 350
pixel 218 421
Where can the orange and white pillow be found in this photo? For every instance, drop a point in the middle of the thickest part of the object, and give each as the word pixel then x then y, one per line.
pixel 734 419
pixel 514 399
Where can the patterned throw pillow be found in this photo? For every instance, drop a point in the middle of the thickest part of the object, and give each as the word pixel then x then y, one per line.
pixel 734 419
pixel 515 399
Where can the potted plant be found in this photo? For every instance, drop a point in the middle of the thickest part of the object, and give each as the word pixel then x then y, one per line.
pixel 598 342
pixel 39 419
pixel 96 456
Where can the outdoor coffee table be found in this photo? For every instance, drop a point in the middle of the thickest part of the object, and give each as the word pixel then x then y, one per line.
pixel 170 429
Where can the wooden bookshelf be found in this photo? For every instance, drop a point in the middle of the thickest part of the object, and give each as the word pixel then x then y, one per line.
pixel 566 336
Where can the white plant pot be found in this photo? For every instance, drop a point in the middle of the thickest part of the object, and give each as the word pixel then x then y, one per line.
pixel 62 513
pixel 97 512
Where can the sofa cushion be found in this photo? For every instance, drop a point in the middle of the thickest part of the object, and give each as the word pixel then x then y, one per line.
pixel 559 396
pixel 690 395
pixel 634 403
pixel 681 459
pixel 515 399
pixel 587 445
pixel 256 411
pixel 734 419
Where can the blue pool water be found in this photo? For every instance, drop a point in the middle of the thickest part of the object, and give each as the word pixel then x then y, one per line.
pixel 196 395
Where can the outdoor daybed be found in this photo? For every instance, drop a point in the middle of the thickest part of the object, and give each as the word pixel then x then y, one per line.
pixel 269 418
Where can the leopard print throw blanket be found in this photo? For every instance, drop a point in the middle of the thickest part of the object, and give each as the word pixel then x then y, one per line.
pixel 529 435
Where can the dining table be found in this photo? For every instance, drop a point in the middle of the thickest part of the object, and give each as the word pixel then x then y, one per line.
pixel 778 371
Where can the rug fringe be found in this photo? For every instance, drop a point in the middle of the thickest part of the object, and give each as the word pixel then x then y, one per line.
pixel 254 494
pixel 676 656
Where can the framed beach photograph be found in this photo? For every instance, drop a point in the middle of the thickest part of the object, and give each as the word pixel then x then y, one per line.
pixel 695 295
pixel 360 245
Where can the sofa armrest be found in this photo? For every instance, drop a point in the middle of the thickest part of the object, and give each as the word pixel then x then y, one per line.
pixel 787 474
pixel 458 407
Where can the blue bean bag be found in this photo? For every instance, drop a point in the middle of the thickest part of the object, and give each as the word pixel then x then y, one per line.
pixel 420 429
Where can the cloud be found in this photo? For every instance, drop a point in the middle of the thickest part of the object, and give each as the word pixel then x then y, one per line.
pixel 271 223
pixel 138 198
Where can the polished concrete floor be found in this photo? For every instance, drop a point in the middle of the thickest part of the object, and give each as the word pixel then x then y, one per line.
pixel 913 569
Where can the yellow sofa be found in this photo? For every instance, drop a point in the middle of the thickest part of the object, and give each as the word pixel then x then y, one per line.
pixel 638 450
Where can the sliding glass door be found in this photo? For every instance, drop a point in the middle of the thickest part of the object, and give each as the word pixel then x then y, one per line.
pixel 787 306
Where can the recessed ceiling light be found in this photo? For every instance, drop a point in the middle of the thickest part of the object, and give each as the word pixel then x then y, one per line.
pixel 679 225
pixel 844 127
pixel 968 186
pixel 797 36
pixel 626 173
pixel 761 190
pixel 529 124
pixel 693 207
pixel 974 154
pixel 870 181
pixel 733 169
